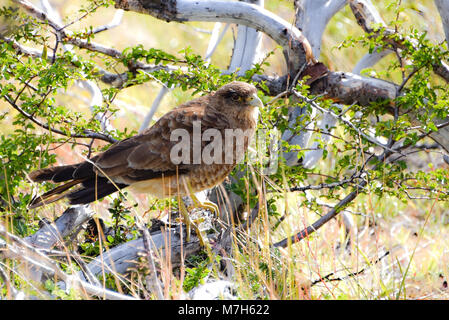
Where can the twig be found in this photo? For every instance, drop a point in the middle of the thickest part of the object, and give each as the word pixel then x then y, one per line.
pixel 153 282
pixel 324 185
pixel 348 123
pixel 156 103
pixel 116 21
pixel 87 133
pixel 19 249
pixel 367 17
pixel 323 220
pixel 80 18
pixel 334 211
pixel 350 275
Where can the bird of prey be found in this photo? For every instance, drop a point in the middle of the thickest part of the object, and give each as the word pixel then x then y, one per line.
pixel 145 162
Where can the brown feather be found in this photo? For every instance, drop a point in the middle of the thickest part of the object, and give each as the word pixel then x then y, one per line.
pixel 143 161
pixel 52 195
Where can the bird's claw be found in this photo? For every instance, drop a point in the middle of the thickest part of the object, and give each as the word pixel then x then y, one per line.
pixel 189 223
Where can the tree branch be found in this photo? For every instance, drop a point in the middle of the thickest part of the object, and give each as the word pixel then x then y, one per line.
pixel 70 220
pixel 323 220
pixel 16 248
pixel 312 17
pixel 297 49
pixel 368 17
pixel 245 52
pixel 124 257
pixel 87 133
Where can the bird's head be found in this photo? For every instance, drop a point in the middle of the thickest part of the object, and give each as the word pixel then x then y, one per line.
pixel 237 97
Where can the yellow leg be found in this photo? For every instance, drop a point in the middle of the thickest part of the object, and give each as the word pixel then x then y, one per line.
pixel 207 205
pixel 185 217
pixel 210 206
pixel 190 223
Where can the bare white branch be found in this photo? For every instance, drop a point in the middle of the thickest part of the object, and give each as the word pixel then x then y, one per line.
pixel 296 47
pixel 443 9
pixel 70 220
pixel 51 12
pixel 302 139
pixel 366 14
pixel 123 258
pixel 115 22
pixel 326 124
pixel 312 17
pixel 28 51
pixel 370 59
pixel 215 39
pixel 156 103
pixel 246 47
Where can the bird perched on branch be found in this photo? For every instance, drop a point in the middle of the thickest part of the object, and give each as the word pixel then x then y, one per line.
pixel 184 152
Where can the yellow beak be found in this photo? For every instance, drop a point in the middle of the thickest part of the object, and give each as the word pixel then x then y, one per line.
pixel 255 101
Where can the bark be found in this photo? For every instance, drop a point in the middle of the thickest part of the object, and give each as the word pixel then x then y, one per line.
pixel 342 87
pixel 246 46
pixel 123 258
pixel 348 88
pixel 312 17
pixel 50 234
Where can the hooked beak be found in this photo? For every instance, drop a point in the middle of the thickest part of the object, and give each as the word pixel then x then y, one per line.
pixel 255 101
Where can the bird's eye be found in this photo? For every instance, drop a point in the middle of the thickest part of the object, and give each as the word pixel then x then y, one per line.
pixel 235 97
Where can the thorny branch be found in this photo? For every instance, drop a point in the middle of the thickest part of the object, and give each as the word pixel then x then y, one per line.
pixel 342 204
pixel 339 117
pixel 87 133
pixel 368 17
pixel 328 278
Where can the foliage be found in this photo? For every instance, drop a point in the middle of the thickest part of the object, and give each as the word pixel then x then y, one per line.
pixel 196 275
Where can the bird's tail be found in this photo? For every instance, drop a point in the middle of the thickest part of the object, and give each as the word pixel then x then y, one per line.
pixel 52 195
pixel 91 187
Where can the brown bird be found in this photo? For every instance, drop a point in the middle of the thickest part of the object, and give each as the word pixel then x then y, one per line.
pixel 156 162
